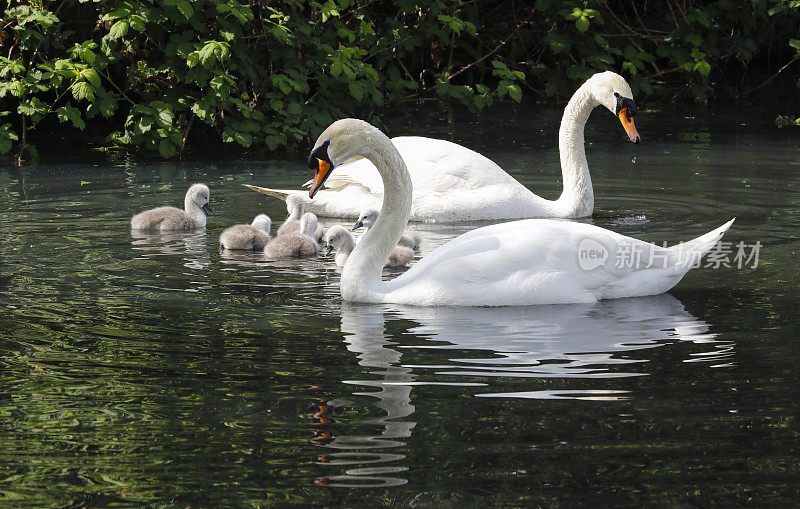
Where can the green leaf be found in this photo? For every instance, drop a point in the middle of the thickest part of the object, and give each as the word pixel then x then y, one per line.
pixel 515 92
pixel 71 113
pixel 137 22
pixel 165 118
pixel 356 90
pixel 92 77
pixel 694 39
pixel 192 59
pixel 206 54
pixel 703 67
pixel 167 149
pixel 243 139
pixel 186 8
pixel 795 43
pixel 82 90
pixel 118 29
pixel 582 24
pixel 7 138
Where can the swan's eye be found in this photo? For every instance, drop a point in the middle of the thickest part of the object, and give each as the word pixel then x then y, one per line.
pixel 320 154
pixel 627 104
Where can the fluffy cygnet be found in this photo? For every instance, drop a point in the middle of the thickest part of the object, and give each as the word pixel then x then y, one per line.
pixel 295 206
pixel 338 238
pixel 367 218
pixel 253 236
pixel 166 219
pixel 294 245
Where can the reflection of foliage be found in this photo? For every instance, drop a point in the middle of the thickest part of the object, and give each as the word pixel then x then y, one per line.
pixel 268 74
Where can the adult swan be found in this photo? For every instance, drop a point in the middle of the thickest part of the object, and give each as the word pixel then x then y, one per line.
pixel 533 261
pixel 454 183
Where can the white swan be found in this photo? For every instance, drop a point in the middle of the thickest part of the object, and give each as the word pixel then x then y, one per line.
pixel 533 261
pixel 166 219
pixel 454 183
pixel 252 237
pixel 338 238
pixel 410 238
pixel 295 245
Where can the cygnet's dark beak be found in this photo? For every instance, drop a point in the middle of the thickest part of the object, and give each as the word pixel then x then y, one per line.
pixel 328 250
pixel 207 208
pixel 358 225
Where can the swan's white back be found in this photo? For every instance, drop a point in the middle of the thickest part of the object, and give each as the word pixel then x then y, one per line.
pixel 538 261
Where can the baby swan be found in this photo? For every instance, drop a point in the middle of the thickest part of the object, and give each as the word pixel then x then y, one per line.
pixel 167 219
pixel 295 206
pixel 294 245
pixel 338 238
pixel 253 236
pixel 367 218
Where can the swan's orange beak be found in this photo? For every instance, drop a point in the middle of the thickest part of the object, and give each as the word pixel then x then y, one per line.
pixel 323 170
pixel 627 123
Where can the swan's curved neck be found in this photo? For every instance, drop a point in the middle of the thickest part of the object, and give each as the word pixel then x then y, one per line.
pixel 193 210
pixel 361 276
pixel 577 198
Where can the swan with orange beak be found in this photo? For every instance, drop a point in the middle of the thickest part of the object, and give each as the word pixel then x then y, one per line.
pixel 452 183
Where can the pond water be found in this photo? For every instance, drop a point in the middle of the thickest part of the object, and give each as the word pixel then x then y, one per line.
pixel 153 369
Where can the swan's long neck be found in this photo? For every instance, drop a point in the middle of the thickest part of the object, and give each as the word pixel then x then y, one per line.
pixel 577 198
pixel 193 210
pixel 361 276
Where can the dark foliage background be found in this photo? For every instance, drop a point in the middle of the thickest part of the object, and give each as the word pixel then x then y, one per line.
pixel 157 76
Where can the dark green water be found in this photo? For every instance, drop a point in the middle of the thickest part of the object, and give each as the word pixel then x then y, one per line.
pixel 153 370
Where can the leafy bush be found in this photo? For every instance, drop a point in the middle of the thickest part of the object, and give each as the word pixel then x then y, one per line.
pixel 270 73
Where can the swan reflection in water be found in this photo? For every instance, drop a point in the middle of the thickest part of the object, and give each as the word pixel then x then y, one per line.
pixel 590 341
pixel 192 246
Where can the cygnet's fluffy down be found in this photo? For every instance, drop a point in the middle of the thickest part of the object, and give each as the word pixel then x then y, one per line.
pixel 249 237
pixel 294 245
pixel 410 239
pixel 295 206
pixel 367 218
pixel 338 238
pixel 167 219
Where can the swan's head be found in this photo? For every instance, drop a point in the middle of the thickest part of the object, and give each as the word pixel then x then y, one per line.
pixel 308 224
pixel 338 238
pixel 612 91
pixel 342 141
pixel 200 196
pixel 367 218
pixel 262 222
pixel 295 206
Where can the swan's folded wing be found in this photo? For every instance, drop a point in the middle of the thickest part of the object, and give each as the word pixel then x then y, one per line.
pixel 521 262
pixel 542 262
pixel 441 166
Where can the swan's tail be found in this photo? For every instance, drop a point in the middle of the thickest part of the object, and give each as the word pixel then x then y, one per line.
pixel 689 253
pixel 276 193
